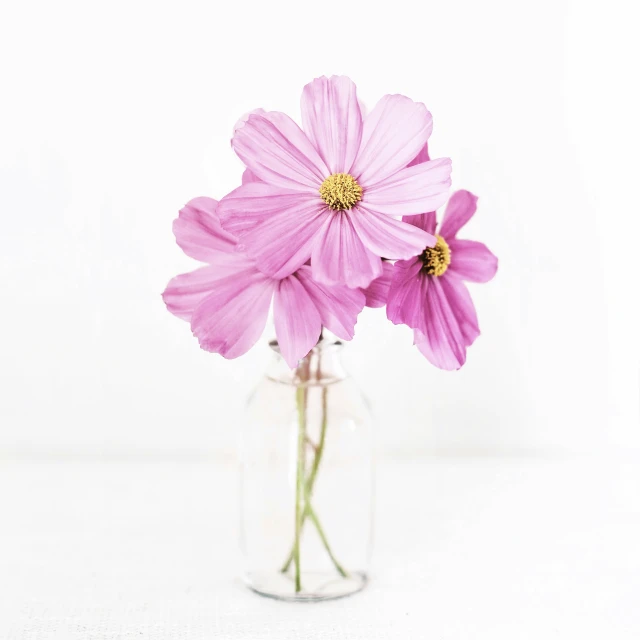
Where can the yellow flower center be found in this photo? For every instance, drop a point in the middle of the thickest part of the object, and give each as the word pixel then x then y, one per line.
pixel 436 259
pixel 340 191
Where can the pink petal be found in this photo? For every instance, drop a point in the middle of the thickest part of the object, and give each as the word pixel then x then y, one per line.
pixel 339 255
pixel 387 237
pixel 392 135
pixel 377 292
pixel 443 342
pixel 423 156
pixel 423 187
pixel 460 208
pixel 407 297
pixel 297 320
pixel 277 151
pixel 472 261
pixel 231 319
pixel 332 120
pixel 243 119
pixel 185 292
pixel 198 230
pixel 277 228
pixel 462 306
pixel 256 203
pixel 447 360
pixel 285 243
pixel 248 176
pixel 338 305
pixel 424 221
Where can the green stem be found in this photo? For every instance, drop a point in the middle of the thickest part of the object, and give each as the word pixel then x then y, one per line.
pixel 320 447
pixel 308 490
pixel 311 480
pixel 300 402
pixel 314 518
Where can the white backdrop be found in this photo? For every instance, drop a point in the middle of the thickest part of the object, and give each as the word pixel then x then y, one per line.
pixel 115 114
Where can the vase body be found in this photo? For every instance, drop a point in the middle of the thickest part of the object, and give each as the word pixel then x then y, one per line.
pixel 307 480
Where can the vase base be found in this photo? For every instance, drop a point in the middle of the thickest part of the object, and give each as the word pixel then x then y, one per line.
pixel 315 586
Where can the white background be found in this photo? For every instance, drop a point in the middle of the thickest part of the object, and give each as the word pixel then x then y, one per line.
pixel 115 114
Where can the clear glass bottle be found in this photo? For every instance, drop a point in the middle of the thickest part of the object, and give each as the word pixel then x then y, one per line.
pixel 307 487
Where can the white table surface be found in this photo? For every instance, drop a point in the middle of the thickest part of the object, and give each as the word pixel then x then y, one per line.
pixel 467 548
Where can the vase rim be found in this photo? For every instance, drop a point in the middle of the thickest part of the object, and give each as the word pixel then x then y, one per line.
pixel 323 345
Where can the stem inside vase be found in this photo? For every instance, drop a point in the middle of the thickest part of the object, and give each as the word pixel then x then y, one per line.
pixel 305 484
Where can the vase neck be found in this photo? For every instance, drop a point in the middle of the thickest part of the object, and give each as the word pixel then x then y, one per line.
pixel 322 365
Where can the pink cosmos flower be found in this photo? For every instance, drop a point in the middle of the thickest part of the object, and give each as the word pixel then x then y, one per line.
pixel 329 191
pixel 427 292
pixel 227 301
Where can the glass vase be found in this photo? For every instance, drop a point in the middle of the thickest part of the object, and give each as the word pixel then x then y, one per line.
pixel 307 480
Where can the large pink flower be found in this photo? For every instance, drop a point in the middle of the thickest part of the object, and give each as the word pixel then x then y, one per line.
pixel 330 191
pixel 227 301
pixel 427 292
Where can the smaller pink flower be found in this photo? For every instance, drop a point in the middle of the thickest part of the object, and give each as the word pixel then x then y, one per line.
pixel 427 292
pixel 227 301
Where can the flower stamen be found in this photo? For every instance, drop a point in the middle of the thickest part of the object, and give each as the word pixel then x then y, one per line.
pixel 436 260
pixel 341 191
